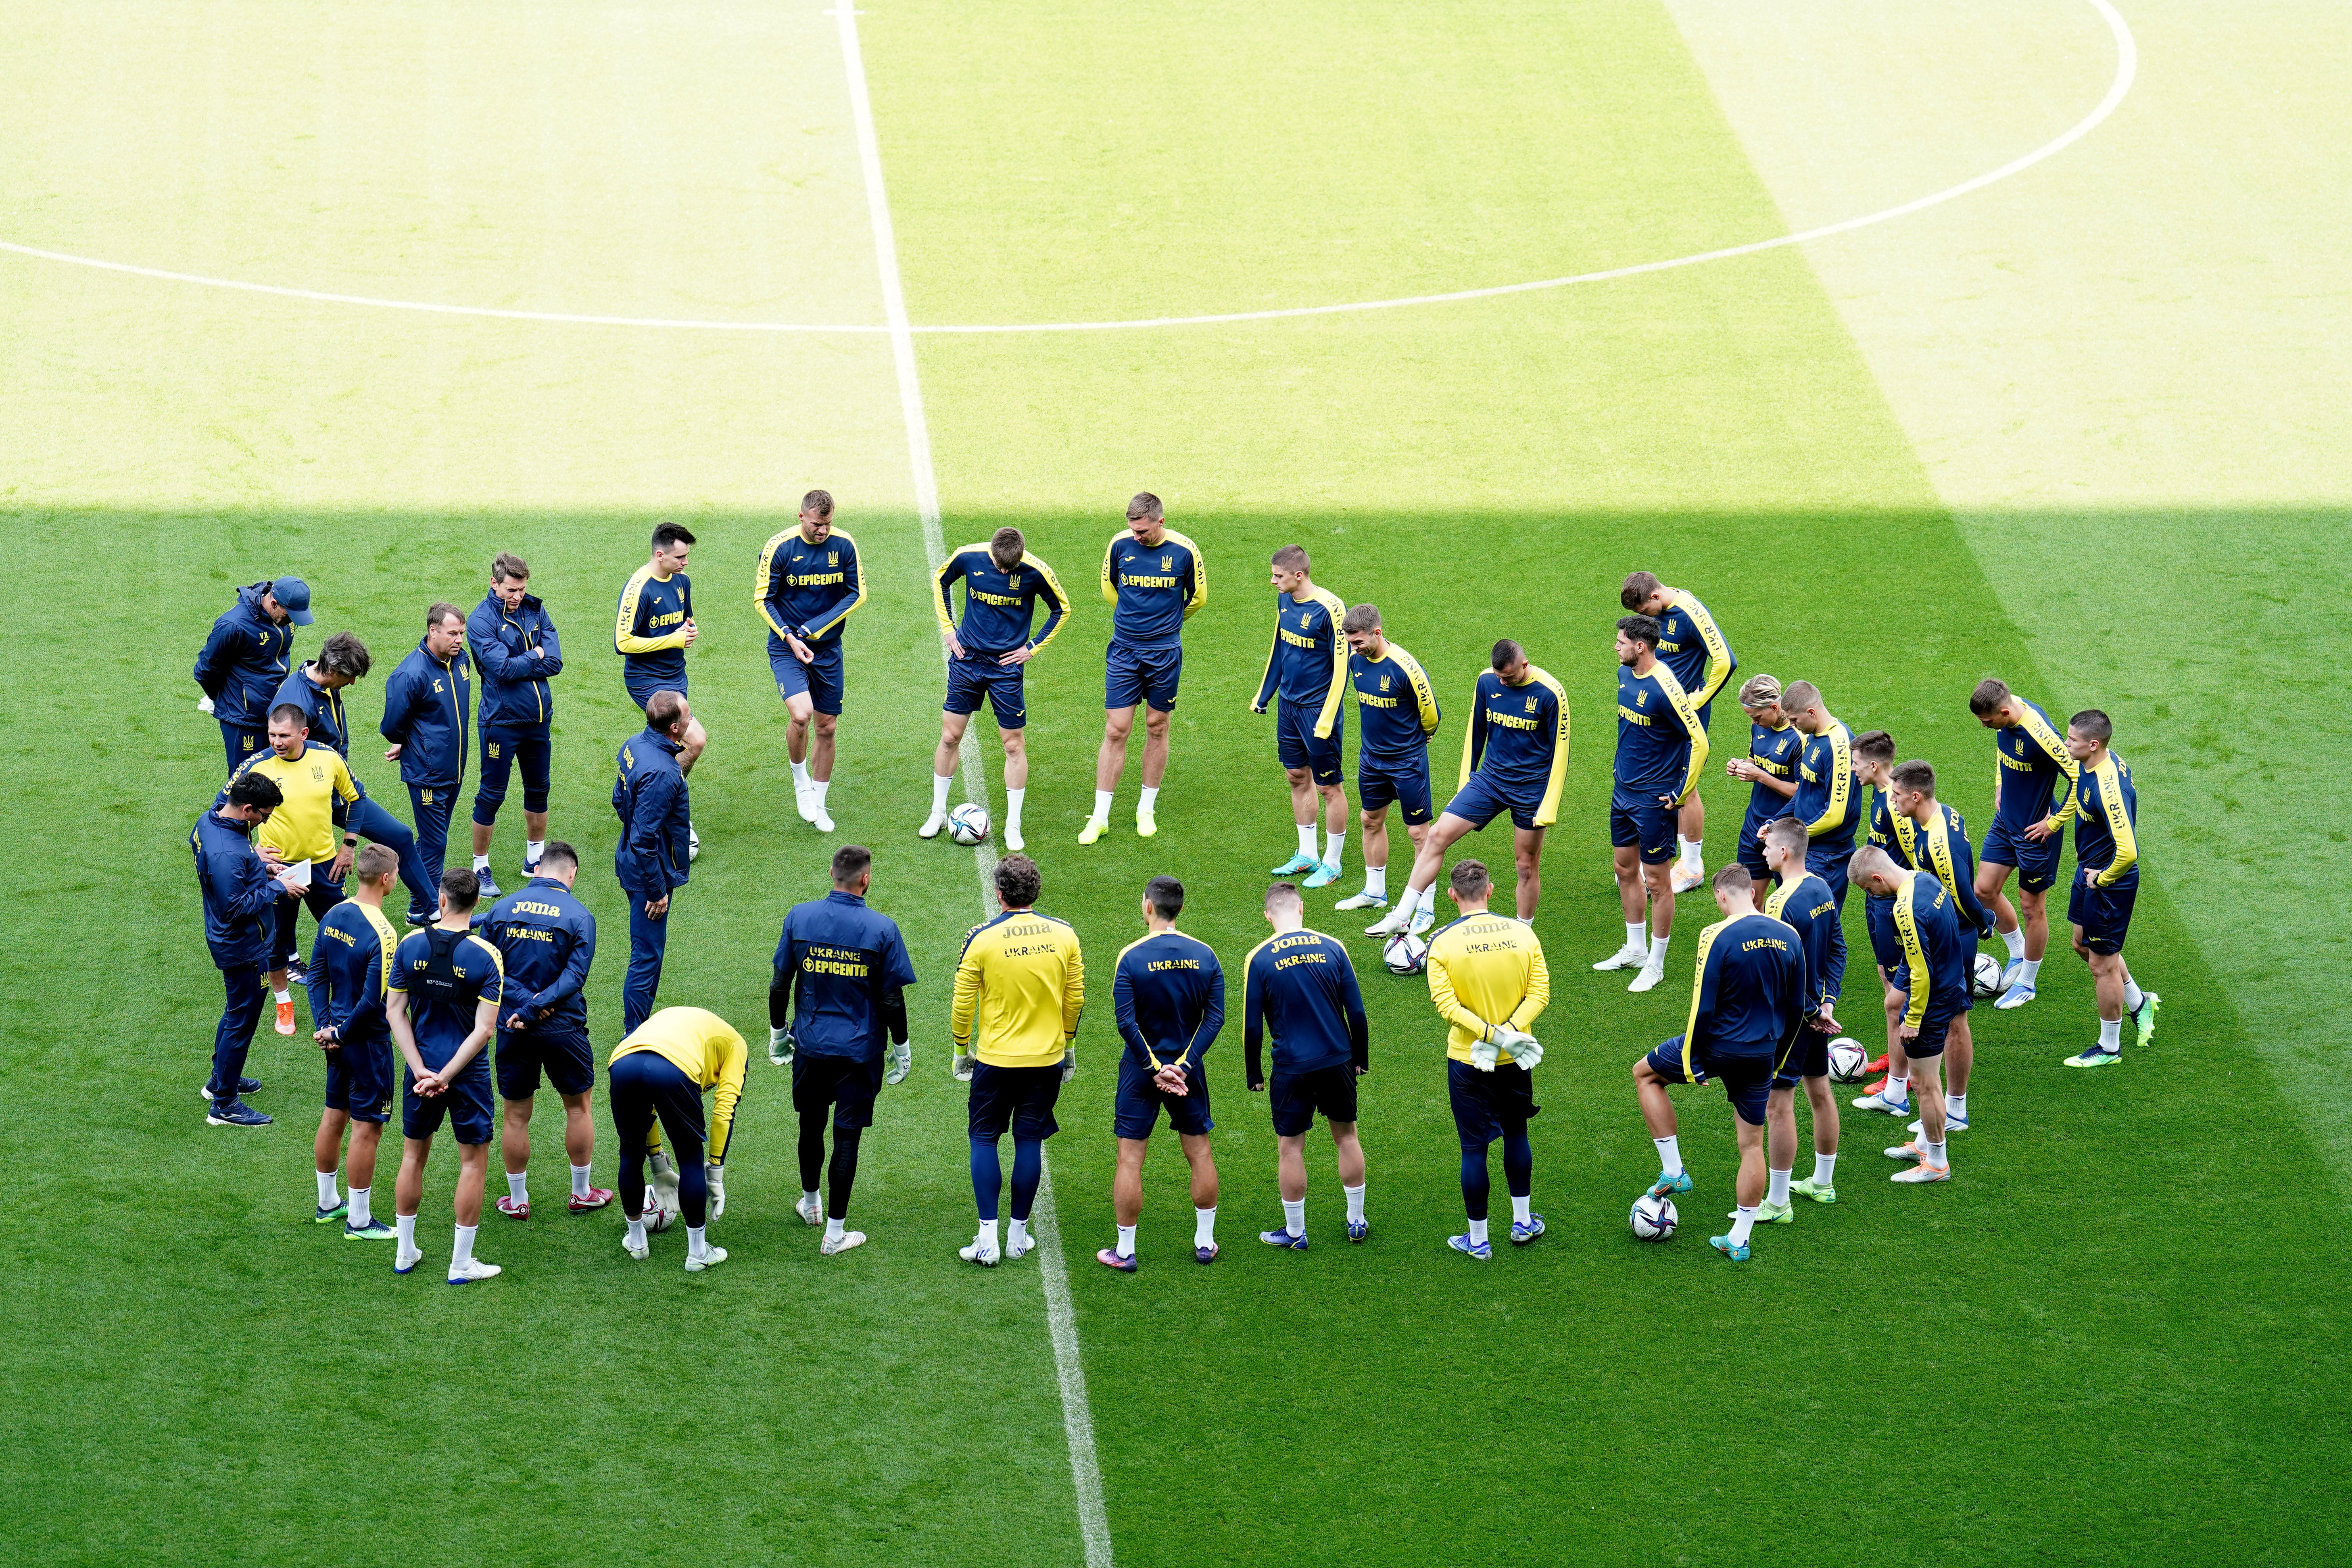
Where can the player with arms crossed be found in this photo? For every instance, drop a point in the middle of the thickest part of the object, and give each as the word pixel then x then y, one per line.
pixel 547 941
pixel 351 966
pixel 1488 982
pixel 1307 670
pixel 1769 769
pixel 1302 990
pixel 654 630
pixel 988 656
pixel 1802 902
pixel 1396 713
pixel 660 1074
pixel 1169 996
pixel 444 1005
pixel 1692 646
pixel 1515 759
pixel 810 580
pixel 836 988
pixel 517 653
pixel 1019 990
pixel 1661 747
pixel 2106 883
pixel 245 659
pixel 2033 785
pixel 1934 981
pixel 1154 580
pixel 1748 1006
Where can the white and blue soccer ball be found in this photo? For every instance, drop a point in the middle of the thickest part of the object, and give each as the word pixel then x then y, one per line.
pixel 1406 954
pixel 968 823
pixel 658 1217
pixel 1986 976
pixel 1847 1060
pixel 1654 1217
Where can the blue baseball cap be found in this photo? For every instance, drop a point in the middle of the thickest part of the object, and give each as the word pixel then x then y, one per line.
pixel 293 596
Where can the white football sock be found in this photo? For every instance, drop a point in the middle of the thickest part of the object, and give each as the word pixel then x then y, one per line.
pixel 1147 799
pixel 833 1228
pixel 1825 1170
pixel 462 1253
pixel 1956 1107
pixel 1102 805
pixel 2027 970
pixel 940 784
pixel 1376 881
pixel 325 1189
pixel 1637 934
pixel 809 1196
pixel 1429 898
pixel 1016 1231
pixel 1306 841
pixel 2111 1034
pixel 697 1240
pixel 406 1225
pixel 636 1231
pixel 1776 1191
pixel 1126 1248
pixel 1657 959
pixel 1012 798
pixel 817 786
pixel 1670 1156
pixel 2133 995
pixel 285 996
pixel 1477 1233
pixel 532 849
pixel 1898 1089
pixel 1522 1209
pixel 1690 856
pixel 1355 1196
pixel 2015 941
pixel 519 1186
pixel 1204 1227
pixel 481 864
pixel 986 1240
pixel 1936 1155
pixel 1743 1221
pixel 1294 1216
pixel 579 1181
pixel 361 1215
pixel 1332 844
pixel 800 776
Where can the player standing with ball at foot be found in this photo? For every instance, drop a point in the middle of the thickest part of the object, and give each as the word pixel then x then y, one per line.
pixel 988 656
pixel 1661 747
pixel 1934 978
pixel 660 1073
pixel 1396 713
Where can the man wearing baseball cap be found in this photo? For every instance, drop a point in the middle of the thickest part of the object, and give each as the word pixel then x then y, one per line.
pixel 246 657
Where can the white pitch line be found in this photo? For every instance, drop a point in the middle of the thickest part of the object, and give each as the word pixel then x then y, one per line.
pixel 1061 1321
pixel 2126 71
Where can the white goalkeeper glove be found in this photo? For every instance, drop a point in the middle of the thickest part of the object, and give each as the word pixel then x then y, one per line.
pixel 665 1180
pixel 1525 1049
pixel 1069 1062
pixel 963 1066
pixel 781 1045
pixel 204 704
pixel 1482 1055
pixel 716 1175
pixel 899 1056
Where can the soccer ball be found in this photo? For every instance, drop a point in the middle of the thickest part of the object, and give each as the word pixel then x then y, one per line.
pixel 1847 1060
pixel 658 1217
pixel 968 823
pixel 1654 1219
pixel 1987 976
pixel 1406 954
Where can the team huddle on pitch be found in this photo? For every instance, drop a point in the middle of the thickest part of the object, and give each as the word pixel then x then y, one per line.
pixel 485 994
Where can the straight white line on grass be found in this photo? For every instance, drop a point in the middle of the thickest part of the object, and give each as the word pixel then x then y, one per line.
pixel 1069 1369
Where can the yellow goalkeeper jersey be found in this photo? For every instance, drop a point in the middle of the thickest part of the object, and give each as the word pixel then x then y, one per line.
pixel 303 828
pixel 705 1048
pixel 1485 970
pixel 1018 990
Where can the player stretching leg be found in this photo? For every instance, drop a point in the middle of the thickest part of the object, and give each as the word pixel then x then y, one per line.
pixel 1661 746
pixel 1802 902
pixel 1307 668
pixel 988 653
pixel 1488 982
pixel 1689 644
pixel 1396 713
pixel 1302 990
pixel 1748 1006
pixel 1169 997
pixel 1515 759
pixel 1934 971
pixel 2106 882
pixel 2033 796
pixel 810 578
pixel 1153 579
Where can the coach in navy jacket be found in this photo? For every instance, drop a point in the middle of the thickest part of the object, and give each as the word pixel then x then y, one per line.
pixel 516 650
pixel 240 896
pixel 649 796
pixel 427 704
pixel 245 659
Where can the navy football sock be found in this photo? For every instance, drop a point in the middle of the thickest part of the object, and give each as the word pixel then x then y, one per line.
pixel 987 1177
pixel 1475 1185
pixel 1028 1170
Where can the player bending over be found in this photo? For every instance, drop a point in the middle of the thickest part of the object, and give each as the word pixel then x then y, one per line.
pixel 1487 981
pixel 1301 989
pixel 1940 845
pixel 1170 998
pixel 1934 979
pixel 1307 671
pixel 988 656
pixel 660 1073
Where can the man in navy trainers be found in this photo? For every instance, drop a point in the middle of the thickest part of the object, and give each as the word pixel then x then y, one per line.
pixel 240 896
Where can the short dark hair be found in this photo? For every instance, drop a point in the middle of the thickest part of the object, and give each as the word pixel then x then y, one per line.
pixel 1362 618
pixel 509 567
pixel 1641 629
pixel 850 861
pixel 1017 881
pixel 1506 653
pixel 291 713
pixel 818 501
pixel 1285 892
pixel 1144 505
pixel 343 655
pixel 559 852
pixel 1873 746
pixel 664 709
pixel 1292 557
pixel 461 887
pixel 1006 546
pixel 2094 724
pixel 1166 896
pixel 1987 698
pixel 1469 879
pixel 1915 775
pixel 251 789
pixel 375 860
pixel 1799 696
pixel 441 611
pixel 668 534
pixel 1639 586
pixel 1734 879
pixel 1789 832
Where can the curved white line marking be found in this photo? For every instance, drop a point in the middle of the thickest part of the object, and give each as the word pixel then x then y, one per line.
pixel 2126 71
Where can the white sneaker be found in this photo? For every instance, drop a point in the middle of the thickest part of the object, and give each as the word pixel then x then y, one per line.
pixel 711 1257
pixel 474 1269
pixel 1686 876
pixel 819 820
pixel 693 842
pixel 982 1252
pixel 801 800
pixel 638 1250
pixel 1648 979
pixel 1392 923
pixel 1951 1124
pixel 1020 1248
pixel 1012 839
pixel 1365 900
pixel 1626 957
pixel 931 826
pixel 2015 997
pixel 842 1243
pixel 1422 919
pixel 811 1209
pixel 406 1258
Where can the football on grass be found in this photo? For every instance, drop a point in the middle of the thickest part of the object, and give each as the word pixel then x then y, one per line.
pixel 968 823
pixel 1987 976
pixel 1654 1219
pixel 658 1217
pixel 1406 954
pixel 1846 1059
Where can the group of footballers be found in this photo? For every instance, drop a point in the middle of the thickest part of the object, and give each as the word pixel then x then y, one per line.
pixel 484 977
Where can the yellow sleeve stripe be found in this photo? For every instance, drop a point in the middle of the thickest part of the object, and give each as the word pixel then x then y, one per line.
pixel 1470 732
pixel 1914 952
pixel 1687 712
pixel 2119 823
pixel 1424 697
pixel 2044 734
pixel 1200 573
pixel 1337 610
pixel 1549 812
pixel 1110 592
pixel 1718 652
pixel 764 578
pixel 941 606
pixel 625 630
pixel 1053 588
pixel 1698 989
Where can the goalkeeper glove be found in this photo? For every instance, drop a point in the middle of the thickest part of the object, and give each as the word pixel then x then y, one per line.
pixel 900 1057
pixel 1482 1055
pixel 1525 1049
pixel 781 1045
pixel 1069 1062
pixel 204 705
pixel 963 1066
pixel 717 1174
pixel 665 1180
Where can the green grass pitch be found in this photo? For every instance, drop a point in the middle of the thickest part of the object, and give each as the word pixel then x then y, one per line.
pixel 2118 1337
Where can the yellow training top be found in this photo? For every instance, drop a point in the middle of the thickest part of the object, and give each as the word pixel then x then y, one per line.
pixel 1483 969
pixel 303 828
pixel 1018 990
pixel 705 1048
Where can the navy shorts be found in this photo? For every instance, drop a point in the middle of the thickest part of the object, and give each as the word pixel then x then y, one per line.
pixel 645 1084
pixel 1751 852
pixel 976 675
pixel 1136 1111
pixel 1147 675
pixel 1480 802
pixel 1747 1079
pixel 1021 1098
pixel 1378 782
pixel 504 745
pixel 1933 1029
pixel 1295 742
pixel 2036 861
pixel 358 1079
pixel 466 1103
pixel 1809 1058
pixel 1828 861
pixel 642 687
pixel 820 678
pixel 2104 913
pixel 844 1082
pixel 1885 942
pixel 1489 1105
pixel 1643 825
pixel 1299 1097
pixel 568 1059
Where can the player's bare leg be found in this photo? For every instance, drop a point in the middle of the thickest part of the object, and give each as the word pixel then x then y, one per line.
pixel 1290 1172
pixel 1659 882
pixel 407 1197
pixel 1633 903
pixel 1822 1186
pixel 1127 1183
pixel 1428 858
pixel 1527 859
pixel 1302 820
pixel 1748 1190
pixel 1016 784
pixel 1779 1154
pixel 1927 1146
pixel 1690 824
pixel 514 1153
pixel 1111 761
pixel 1893 1095
pixel 326 1149
pixel 1335 836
